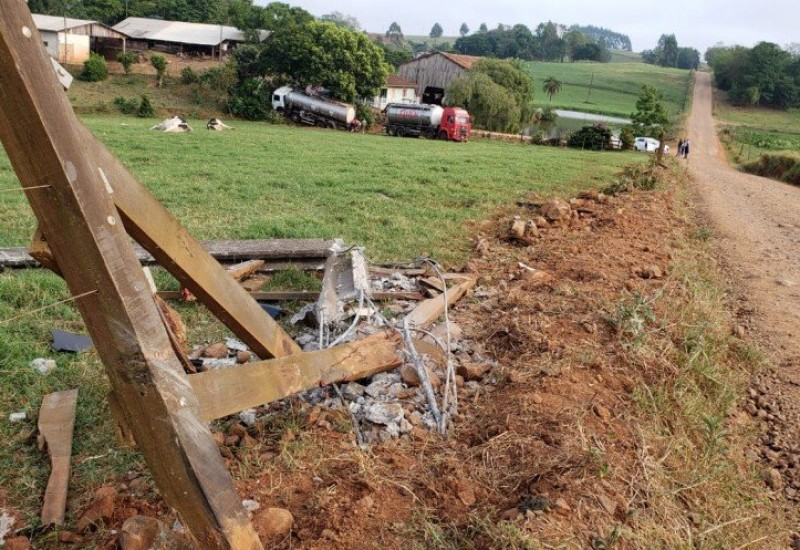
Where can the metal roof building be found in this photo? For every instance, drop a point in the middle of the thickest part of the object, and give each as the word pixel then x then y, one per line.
pixel 182 34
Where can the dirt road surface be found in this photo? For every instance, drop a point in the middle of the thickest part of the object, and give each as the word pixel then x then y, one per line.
pixel 757 221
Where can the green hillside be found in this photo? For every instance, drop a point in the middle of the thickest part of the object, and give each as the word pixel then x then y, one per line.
pixel 608 88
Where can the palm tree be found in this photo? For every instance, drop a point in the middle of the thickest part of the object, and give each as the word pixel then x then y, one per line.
pixel 552 86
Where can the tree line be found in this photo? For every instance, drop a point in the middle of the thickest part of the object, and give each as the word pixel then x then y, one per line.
pixel 765 75
pixel 667 53
pixel 549 42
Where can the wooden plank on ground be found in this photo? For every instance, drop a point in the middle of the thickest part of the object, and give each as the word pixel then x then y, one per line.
pixel 46 146
pixel 228 391
pixel 56 424
pixel 426 313
pixel 278 253
pixel 244 270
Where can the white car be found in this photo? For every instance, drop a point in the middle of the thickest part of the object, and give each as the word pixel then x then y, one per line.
pixel 649 145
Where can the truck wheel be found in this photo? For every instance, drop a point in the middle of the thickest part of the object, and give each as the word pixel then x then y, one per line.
pixel 320 124
pixel 332 125
pixel 391 131
pixel 295 118
pixel 443 135
pixel 401 132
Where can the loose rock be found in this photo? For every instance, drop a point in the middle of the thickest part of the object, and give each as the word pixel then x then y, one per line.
pixel 410 376
pixel 100 512
pixel 143 533
pixel 273 523
pixel 43 366
pixel 556 210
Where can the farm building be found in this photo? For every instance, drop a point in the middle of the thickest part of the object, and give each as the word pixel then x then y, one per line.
pixel 396 90
pixel 181 37
pixel 70 41
pixel 433 72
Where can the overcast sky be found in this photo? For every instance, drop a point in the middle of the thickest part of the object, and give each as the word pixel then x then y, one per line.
pixel 696 23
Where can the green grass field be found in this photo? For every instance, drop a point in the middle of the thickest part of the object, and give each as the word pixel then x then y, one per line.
pixel 615 87
pixel 747 132
pixel 398 197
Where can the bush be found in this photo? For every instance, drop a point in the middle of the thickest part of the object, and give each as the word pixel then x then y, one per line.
pixel 159 62
pixel 365 114
pixel 127 59
pixel 627 137
pixel 127 106
pixel 779 166
pixel 252 100
pixel 145 108
pixel 189 76
pixel 596 137
pixel 95 69
pixel 547 115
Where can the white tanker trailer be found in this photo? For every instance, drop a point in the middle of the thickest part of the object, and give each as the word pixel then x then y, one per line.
pixel 315 111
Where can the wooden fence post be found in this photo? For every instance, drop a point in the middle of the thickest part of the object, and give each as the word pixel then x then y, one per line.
pixel 85 232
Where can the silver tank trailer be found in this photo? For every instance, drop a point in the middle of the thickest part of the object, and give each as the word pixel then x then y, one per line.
pixel 429 116
pixel 337 111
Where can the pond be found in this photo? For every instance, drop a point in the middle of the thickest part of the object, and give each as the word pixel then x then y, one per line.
pixel 571 121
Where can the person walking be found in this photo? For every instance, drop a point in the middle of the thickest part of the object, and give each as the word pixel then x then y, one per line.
pixel 686 149
pixel 680 148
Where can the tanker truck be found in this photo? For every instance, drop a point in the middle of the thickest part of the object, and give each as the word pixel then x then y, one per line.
pixel 432 121
pixel 315 111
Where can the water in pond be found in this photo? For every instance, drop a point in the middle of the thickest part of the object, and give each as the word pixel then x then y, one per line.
pixel 571 121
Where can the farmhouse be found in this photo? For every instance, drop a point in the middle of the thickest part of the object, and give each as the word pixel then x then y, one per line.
pixel 70 41
pixel 396 90
pixel 433 72
pixel 181 37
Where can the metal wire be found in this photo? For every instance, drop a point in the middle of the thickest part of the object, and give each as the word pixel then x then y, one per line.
pixel 29 313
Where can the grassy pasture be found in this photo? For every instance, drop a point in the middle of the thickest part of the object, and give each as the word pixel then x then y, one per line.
pixel 747 132
pixel 615 87
pixel 398 197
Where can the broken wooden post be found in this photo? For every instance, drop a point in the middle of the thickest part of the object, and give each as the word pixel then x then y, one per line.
pixel 56 422
pixel 43 139
pixel 231 390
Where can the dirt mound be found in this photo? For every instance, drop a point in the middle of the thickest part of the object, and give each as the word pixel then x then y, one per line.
pixel 565 440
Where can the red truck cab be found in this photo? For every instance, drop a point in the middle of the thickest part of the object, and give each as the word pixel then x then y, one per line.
pixel 456 124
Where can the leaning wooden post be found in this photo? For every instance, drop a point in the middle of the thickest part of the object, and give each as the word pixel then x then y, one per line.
pixel 43 139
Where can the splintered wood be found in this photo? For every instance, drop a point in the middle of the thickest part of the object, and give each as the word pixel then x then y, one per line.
pixel 56 423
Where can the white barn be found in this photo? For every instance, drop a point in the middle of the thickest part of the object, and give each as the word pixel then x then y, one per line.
pixel 71 41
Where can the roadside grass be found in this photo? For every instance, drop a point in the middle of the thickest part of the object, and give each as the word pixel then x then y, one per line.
pixel 614 89
pixel 397 197
pixel 693 435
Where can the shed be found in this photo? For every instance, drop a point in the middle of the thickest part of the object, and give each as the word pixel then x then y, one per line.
pixel 182 37
pixel 435 71
pixel 70 41
pixel 396 90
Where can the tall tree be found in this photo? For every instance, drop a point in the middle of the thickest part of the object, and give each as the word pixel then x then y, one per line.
pixel 436 31
pixel 552 86
pixel 464 30
pixel 318 53
pixel 395 33
pixel 483 28
pixel 667 50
